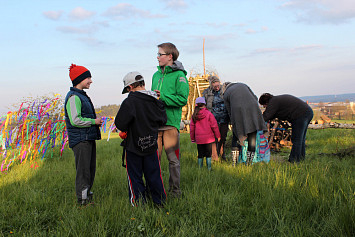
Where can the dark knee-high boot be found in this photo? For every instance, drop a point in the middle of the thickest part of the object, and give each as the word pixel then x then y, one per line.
pixel 209 163
pixel 250 157
pixel 200 162
pixel 235 155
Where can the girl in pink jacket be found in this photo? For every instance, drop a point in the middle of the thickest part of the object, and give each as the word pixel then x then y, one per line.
pixel 203 130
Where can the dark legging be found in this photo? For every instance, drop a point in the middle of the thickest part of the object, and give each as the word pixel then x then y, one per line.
pixel 252 141
pixel 204 150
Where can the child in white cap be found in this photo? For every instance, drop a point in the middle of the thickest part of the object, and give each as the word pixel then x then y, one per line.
pixel 140 116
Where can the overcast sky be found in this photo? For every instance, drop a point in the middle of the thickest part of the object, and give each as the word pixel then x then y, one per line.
pixel 299 47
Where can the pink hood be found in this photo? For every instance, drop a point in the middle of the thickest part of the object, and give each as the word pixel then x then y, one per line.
pixel 205 130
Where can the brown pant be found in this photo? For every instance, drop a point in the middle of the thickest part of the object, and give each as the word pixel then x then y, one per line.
pixel 214 152
pixel 170 139
pixel 223 130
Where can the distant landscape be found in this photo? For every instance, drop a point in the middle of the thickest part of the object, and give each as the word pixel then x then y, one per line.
pixel 111 109
pixel 329 98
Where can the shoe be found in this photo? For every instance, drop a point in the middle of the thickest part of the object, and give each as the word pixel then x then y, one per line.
pixel 250 157
pixel 90 196
pixel 85 202
pixel 235 156
pixel 174 195
pixel 159 206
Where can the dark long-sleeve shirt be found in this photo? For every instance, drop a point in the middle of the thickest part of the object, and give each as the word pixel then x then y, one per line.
pixel 285 107
pixel 140 115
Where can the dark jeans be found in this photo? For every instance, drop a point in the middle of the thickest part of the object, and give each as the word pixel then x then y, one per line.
pixel 299 131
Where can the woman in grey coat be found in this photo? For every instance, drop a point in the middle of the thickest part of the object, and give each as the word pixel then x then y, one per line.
pixel 245 116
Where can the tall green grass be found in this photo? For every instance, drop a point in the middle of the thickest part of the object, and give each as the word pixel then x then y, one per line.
pixel 313 198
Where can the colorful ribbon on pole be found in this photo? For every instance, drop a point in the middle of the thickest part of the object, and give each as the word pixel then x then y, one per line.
pixel 31 131
pixel 35 129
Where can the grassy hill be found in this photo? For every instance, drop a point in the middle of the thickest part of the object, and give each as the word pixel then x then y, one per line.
pixel 314 198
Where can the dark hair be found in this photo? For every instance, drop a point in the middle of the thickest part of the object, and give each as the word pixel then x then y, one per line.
pixel 170 48
pixel 196 111
pixel 138 84
pixel 213 79
pixel 265 98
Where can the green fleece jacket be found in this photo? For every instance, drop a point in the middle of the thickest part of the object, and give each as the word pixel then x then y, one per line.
pixel 174 90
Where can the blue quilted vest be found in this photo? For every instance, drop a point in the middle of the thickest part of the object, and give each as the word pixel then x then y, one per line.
pixel 76 134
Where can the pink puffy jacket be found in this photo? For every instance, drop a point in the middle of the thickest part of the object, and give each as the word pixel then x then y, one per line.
pixel 205 130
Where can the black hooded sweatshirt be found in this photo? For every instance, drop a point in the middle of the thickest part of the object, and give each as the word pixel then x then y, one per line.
pixel 140 115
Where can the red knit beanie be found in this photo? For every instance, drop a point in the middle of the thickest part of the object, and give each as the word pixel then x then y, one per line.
pixel 78 73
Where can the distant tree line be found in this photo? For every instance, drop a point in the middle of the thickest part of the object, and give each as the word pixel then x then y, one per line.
pixel 107 110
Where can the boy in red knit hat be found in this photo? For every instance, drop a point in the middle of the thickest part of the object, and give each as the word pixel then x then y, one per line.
pixel 83 130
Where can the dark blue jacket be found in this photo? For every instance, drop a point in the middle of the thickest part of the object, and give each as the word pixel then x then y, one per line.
pixel 76 134
pixel 215 104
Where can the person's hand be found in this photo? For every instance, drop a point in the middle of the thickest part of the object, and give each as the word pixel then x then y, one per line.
pixel 98 121
pixel 267 135
pixel 218 139
pixel 123 135
pixel 158 93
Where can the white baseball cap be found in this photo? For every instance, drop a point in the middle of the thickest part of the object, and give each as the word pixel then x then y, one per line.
pixel 131 78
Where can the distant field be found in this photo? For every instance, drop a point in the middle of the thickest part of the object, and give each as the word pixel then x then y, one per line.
pixel 329 98
pixel 343 121
pixel 313 198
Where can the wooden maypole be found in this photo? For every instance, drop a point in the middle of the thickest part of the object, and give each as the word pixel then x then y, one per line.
pixel 204 65
pixel 197 85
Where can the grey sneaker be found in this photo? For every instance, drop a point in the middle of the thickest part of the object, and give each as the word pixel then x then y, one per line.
pixel 85 202
pixel 90 195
